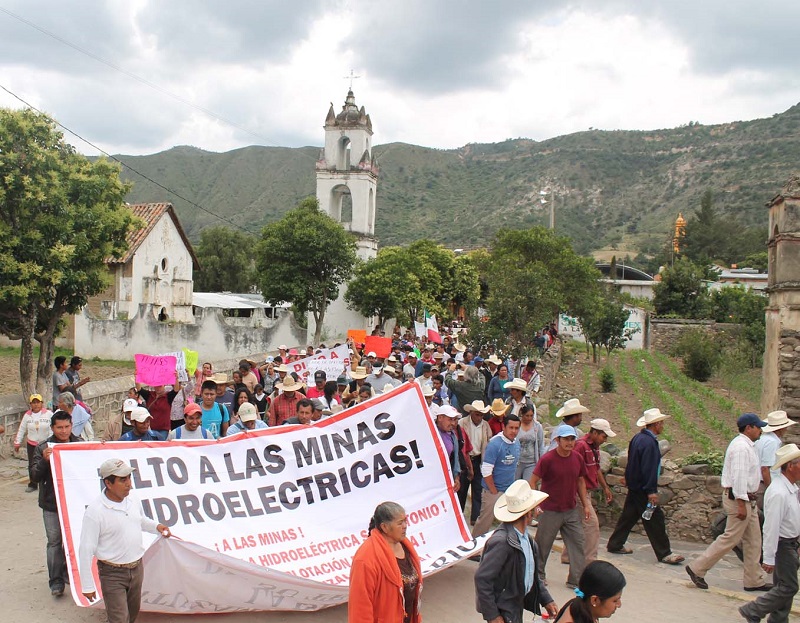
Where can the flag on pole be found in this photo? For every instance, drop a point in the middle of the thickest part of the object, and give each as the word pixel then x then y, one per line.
pixel 433 328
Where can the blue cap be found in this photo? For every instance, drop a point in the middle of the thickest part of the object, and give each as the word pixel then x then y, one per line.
pixel 750 419
pixel 564 430
pixel 478 359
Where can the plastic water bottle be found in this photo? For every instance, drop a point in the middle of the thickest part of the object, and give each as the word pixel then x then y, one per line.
pixel 648 512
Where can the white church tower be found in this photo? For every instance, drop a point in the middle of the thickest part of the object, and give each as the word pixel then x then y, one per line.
pixel 347 180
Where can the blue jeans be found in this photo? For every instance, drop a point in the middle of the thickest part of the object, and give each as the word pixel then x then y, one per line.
pixel 56 560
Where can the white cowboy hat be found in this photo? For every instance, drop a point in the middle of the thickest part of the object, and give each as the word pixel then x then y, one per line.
pixel 360 373
pixel 786 453
pixel 571 407
pixel 493 359
pixel 499 407
pixel 387 388
pixel 518 499
pixel 602 425
pixel 289 384
pixel 282 368
pixel 460 347
pixel 651 416
pixel 776 421
pixel 517 383
pixel 221 378
pixel 427 390
pixel 477 405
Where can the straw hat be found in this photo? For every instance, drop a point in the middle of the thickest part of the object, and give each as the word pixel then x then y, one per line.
pixel 651 416
pixel 221 378
pixel 786 453
pixel 360 373
pixel 387 388
pixel 282 368
pixel 517 383
pixel 571 407
pixel 518 499
pixel 499 407
pixel 477 405
pixel 777 420
pixel 427 390
pixel 289 384
pixel 460 347
pixel 494 359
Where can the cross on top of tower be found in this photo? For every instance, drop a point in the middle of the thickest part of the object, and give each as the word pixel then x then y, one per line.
pixel 351 77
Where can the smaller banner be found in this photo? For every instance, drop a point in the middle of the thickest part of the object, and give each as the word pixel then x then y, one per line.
pixel 192 358
pixel 382 346
pixel 180 364
pixel 420 329
pixel 359 336
pixel 155 369
pixel 333 361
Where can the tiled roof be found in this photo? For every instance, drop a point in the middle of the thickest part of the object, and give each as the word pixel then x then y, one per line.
pixel 150 213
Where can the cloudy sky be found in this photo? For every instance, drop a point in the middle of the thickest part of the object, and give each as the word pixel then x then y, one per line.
pixel 140 76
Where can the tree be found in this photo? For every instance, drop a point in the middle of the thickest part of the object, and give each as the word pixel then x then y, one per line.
pixel 62 216
pixel 682 291
pixel 746 308
pixel 303 259
pixel 602 321
pixel 226 260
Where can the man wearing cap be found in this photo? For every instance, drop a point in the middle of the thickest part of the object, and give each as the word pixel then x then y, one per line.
pixel 561 474
pixel 479 434
pixel 61 425
pixel 192 427
pixel 588 447
pixel 117 427
pixel 767 445
pixel 498 468
pixel 446 419
pixel 318 391
pixel 409 369
pixel 141 418
pixel 641 478
pixel 781 540
pixel 285 405
pixel 112 531
pixel 741 474
pixel 571 414
pixel 248 420
pixel 159 403
pixel 508 579
pixel 35 426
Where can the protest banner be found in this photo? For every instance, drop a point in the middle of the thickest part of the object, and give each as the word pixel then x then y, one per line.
pixel 155 369
pixel 282 510
pixel 359 336
pixel 332 361
pixel 192 359
pixel 381 346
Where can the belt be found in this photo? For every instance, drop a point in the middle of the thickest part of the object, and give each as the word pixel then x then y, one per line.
pixel 729 492
pixel 122 565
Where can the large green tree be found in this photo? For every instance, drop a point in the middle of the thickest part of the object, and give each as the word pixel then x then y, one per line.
pixel 682 290
pixel 303 259
pixel 62 216
pixel 602 320
pixel 227 260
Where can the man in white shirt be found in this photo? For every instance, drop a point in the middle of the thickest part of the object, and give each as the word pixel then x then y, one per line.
pixel 781 532
pixel 771 439
pixel 112 532
pixel 741 475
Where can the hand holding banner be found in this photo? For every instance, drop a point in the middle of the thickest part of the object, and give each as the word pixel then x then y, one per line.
pixel 155 370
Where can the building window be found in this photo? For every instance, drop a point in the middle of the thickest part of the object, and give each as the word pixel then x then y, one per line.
pixel 164 264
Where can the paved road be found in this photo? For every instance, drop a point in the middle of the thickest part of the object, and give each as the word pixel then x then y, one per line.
pixel 655 592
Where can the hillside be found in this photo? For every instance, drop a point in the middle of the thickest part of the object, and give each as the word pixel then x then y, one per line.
pixel 612 187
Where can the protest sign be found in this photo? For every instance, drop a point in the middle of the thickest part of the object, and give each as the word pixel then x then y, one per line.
pixel 382 346
pixel 358 336
pixel 284 508
pixel 155 370
pixel 332 361
pixel 180 364
pixel 420 329
pixel 192 358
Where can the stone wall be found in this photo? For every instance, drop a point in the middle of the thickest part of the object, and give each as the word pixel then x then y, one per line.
pixel 789 378
pixel 548 366
pixel 665 332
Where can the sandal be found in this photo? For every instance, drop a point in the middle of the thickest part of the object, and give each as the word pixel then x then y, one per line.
pixel 622 550
pixel 672 559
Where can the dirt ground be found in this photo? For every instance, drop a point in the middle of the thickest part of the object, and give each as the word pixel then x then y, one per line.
pixel 9 372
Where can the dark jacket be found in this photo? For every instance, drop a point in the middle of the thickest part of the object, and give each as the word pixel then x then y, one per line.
pixel 466 393
pixel 43 476
pixel 644 457
pixel 500 579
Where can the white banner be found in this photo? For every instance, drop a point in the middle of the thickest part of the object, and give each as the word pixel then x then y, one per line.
pixel 421 330
pixel 332 361
pixel 290 503
pixel 180 364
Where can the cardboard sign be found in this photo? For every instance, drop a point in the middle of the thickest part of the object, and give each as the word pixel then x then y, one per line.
pixel 359 336
pixel 381 346
pixel 155 369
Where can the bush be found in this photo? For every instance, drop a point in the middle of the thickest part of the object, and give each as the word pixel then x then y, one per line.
pixel 607 381
pixel 713 459
pixel 701 355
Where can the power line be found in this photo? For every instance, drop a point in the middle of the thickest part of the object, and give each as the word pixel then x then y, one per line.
pixel 144 81
pixel 127 166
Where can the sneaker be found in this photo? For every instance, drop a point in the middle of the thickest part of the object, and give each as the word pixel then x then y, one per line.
pixel 57 591
pixel 30 488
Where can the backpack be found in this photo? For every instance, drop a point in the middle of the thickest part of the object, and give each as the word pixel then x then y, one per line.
pixel 180 428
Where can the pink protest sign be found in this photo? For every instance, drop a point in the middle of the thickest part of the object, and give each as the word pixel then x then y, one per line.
pixel 155 370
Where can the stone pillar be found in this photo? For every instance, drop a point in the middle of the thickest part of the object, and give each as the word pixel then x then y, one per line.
pixel 781 372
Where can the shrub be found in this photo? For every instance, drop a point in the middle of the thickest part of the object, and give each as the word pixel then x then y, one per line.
pixel 700 353
pixel 713 459
pixel 607 381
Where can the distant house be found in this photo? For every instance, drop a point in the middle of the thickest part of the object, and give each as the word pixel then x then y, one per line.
pixel 156 270
pixel 749 278
pixel 630 280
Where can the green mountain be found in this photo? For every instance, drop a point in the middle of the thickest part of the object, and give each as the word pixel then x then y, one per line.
pixel 618 188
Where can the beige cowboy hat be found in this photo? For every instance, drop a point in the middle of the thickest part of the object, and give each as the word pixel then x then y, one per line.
pixel 517 383
pixel 518 499
pixel 499 407
pixel 387 388
pixel 477 405
pixel 651 416
pixel 493 359
pixel 282 368
pixel 289 384
pixel 786 453
pixel 776 421
pixel 460 347
pixel 571 407
pixel 360 373
pixel 427 390
pixel 221 378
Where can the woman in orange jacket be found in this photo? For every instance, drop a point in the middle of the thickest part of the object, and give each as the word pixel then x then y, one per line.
pixel 386 578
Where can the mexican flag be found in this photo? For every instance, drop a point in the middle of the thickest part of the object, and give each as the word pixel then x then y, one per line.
pixel 433 328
